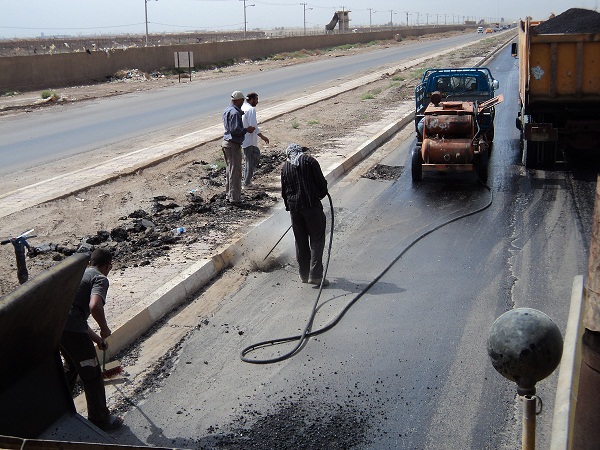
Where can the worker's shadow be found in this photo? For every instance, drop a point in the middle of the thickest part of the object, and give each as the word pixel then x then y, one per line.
pixel 345 300
pixel 156 438
pixel 352 286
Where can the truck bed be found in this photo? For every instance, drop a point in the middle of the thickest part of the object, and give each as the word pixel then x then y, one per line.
pixel 558 67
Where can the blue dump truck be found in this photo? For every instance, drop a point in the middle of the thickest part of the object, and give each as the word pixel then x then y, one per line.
pixel 454 121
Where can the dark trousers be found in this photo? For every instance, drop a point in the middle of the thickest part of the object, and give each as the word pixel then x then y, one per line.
pixel 81 359
pixel 309 231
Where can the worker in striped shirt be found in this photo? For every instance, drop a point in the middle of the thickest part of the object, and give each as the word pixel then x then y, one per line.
pixel 303 186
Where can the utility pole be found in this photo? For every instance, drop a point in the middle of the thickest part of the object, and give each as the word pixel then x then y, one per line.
pixel 392 18
pixel 245 21
pixel 406 19
pixel 304 5
pixel 146 15
pixel 370 22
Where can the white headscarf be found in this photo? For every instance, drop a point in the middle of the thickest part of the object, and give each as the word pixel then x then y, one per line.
pixel 293 153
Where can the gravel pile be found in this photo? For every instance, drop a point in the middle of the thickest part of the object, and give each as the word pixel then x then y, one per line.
pixel 383 172
pixel 146 235
pixel 297 425
pixel 572 21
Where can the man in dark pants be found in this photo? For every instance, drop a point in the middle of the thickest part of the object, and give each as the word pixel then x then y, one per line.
pixel 302 188
pixel 77 341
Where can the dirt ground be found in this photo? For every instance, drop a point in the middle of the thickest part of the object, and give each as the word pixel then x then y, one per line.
pixel 134 216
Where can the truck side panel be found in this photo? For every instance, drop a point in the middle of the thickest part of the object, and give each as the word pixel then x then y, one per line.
pixel 559 89
pixel 564 67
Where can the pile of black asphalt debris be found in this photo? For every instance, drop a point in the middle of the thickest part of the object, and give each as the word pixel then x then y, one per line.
pixel 572 21
pixel 146 235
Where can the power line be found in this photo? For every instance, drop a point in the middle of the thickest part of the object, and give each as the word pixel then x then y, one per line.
pixel 71 28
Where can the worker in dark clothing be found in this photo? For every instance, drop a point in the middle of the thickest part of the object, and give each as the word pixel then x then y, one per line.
pixel 303 186
pixel 77 341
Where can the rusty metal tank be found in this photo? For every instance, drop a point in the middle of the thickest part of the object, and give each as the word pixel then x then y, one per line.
pixel 448 119
pixel 448 133
pixel 445 151
pixel 448 126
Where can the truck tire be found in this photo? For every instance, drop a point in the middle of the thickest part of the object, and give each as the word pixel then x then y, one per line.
pixel 482 166
pixel 416 165
pixel 530 156
pixel 490 135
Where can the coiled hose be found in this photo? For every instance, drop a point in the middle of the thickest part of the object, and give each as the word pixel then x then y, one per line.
pixel 307 333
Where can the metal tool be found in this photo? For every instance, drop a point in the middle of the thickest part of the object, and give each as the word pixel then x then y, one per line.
pixel 20 243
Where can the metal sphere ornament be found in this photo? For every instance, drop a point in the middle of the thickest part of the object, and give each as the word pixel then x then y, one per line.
pixel 525 346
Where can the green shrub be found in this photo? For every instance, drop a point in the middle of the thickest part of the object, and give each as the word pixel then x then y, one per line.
pixel 49 94
pixel 418 73
pixel 370 94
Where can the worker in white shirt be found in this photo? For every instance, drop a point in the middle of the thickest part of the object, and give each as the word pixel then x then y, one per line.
pixel 250 145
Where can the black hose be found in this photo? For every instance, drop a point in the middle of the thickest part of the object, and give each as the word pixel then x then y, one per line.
pixel 306 334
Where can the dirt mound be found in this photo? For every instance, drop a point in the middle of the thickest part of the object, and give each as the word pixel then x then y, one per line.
pixel 145 235
pixel 572 21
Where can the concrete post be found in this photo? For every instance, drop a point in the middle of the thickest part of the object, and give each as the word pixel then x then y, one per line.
pixel 586 430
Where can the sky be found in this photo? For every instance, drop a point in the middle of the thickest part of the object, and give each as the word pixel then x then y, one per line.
pixel 35 18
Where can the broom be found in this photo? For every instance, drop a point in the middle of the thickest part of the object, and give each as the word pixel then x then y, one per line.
pixel 112 369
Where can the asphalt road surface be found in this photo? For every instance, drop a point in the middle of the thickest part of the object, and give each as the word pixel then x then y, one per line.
pixel 406 367
pixel 45 136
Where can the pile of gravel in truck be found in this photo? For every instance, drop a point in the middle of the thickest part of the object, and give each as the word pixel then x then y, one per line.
pixel 572 21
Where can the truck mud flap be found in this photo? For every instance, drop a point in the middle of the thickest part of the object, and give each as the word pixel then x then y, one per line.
pixel 540 154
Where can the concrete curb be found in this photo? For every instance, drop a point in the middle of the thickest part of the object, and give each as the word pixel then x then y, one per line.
pixel 143 315
pixel 254 244
pixel 568 375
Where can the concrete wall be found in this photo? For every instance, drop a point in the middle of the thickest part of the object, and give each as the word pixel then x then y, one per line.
pixel 22 73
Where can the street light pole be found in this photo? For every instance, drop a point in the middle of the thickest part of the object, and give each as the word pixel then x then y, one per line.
pixel 245 21
pixel 370 22
pixel 146 14
pixel 304 5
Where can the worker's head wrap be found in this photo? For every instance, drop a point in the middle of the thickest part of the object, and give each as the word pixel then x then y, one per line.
pixel 293 153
